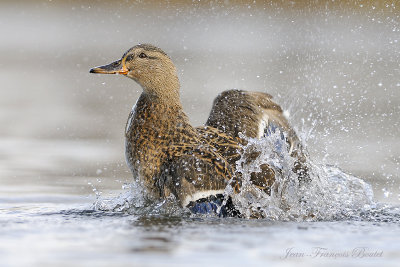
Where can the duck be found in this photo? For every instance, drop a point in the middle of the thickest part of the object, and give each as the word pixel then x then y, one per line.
pixel 195 165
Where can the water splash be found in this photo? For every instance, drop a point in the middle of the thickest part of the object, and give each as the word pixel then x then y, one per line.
pixel 331 193
pixel 135 201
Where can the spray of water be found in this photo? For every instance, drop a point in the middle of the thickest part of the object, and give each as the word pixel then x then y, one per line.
pixel 330 193
pixel 134 200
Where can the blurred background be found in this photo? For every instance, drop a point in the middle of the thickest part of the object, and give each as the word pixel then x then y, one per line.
pixel 333 65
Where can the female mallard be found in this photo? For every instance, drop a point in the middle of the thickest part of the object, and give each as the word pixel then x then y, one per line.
pixel 170 156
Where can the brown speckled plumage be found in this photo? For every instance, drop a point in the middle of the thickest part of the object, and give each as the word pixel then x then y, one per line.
pixel 172 157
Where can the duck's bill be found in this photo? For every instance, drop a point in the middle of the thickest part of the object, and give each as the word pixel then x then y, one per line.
pixel 113 68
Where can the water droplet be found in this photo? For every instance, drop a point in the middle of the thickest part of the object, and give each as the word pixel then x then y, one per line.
pixel 386 193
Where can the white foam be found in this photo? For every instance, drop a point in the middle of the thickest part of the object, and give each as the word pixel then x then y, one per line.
pixel 262 125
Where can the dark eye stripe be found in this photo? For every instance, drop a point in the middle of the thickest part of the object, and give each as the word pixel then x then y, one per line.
pixel 141 55
pixel 130 57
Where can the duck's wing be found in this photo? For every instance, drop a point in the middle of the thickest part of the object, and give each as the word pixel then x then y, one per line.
pixel 250 113
pixel 214 204
pixel 225 145
pixel 193 173
pixel 255 115
pixel 230 148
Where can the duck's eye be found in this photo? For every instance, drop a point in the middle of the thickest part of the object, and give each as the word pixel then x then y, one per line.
pixel 130 57
pixel 142 55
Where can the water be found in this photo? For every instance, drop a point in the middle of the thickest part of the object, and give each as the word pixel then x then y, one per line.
pixel 73 235
pixel 67 198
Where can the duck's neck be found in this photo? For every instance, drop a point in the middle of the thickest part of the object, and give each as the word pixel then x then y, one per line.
pixel 170 101
pixel 163 90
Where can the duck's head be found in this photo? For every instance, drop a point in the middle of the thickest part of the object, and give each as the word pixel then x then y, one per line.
pixel 149 66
